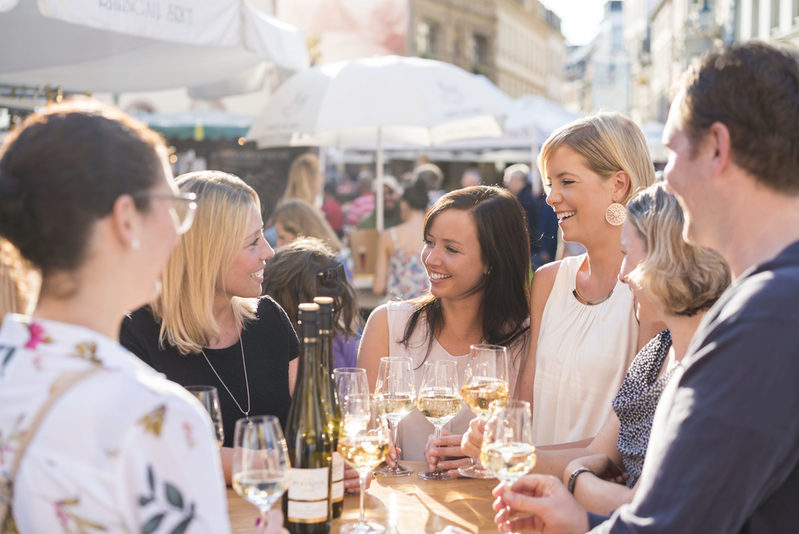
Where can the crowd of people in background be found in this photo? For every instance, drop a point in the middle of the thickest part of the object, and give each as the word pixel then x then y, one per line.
pixel 660 363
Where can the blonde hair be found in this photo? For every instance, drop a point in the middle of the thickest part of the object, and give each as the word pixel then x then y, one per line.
pixel 19 281
pixel 609 143
pixel 201 260
pixel 303 179
pixel 303 220
pixel 681 278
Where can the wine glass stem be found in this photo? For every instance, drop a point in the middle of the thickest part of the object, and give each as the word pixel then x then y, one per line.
pixel 394 426
pixel 362 481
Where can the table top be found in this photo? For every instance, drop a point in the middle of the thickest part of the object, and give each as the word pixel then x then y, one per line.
pixel 403 505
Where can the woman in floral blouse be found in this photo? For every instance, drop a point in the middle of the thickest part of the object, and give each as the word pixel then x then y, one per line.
pixel 86 195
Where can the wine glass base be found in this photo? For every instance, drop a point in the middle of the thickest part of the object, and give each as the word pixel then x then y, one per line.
pixel 399 471
pixel 435 475
pixel 366 527
pixel 475 471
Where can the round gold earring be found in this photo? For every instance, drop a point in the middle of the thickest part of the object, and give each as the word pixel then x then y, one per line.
pixel 615 214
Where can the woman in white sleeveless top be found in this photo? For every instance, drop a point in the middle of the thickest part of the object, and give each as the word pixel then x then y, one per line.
pixel 584 331
pixel 476 254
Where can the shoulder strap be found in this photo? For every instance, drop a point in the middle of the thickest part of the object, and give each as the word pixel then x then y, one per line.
pixel 63 383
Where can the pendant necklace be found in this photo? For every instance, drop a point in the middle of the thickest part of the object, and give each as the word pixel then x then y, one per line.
pixel 246 381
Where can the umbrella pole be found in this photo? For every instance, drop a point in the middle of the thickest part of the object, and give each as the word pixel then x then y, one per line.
pixel 379 174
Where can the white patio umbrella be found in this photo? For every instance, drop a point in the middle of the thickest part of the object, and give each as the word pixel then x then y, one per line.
pixel 366 102
pixel 112 46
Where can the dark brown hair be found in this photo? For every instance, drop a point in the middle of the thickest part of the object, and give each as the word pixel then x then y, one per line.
pixel 505 250
pixel 307 268
pixel 753 89
pixel 63 169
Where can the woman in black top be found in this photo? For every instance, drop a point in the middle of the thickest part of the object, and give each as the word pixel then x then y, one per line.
pixel 208 326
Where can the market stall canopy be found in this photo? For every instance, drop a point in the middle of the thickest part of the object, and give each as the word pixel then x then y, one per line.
pixel 198 124
pixel 125 46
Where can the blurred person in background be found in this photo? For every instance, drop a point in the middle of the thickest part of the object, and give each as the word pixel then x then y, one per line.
pixel 331 207
pixel 392 215
pixel 210 325
pixel 434 179
pixel 517 180
pixel 305 180
pixel 308 268
pixel 470 177
pixel 87 197
pixel 399 272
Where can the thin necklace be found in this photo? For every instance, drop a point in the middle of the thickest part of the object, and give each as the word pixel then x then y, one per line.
pixel 589 302
pixel 246 382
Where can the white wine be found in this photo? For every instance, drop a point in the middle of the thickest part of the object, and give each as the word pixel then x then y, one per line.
pixel 363 451
pixel 307 506
pixel 329 397
pixel 480 392
pixel 508 461
pixel 438 407
pixel 260 487
pixel 391 406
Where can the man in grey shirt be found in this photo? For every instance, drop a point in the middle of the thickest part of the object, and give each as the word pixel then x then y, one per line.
pixel 723 454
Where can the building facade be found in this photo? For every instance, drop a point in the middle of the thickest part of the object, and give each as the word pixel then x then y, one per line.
pixel 517 44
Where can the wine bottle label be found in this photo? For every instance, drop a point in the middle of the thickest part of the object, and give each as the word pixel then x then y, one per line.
pixel 308 495
pixel 338 467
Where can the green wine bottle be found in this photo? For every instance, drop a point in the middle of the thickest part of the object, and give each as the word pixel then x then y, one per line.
pixel 331 400
pixel 306 505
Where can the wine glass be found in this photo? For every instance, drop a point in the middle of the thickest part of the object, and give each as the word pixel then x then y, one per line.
pixel 393 399
pixel 364 445
pixel 351 384
pixel 508 449
pixel 484 388
pixel 439 401
pixel 260 461
pixel 209 398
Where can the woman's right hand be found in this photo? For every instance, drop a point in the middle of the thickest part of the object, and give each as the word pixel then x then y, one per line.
pixel 271 523
pixel 472 440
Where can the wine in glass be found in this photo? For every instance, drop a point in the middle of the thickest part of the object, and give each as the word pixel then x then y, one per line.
pixel 439 401
pixel 351 383
pixel 508 449
pixel 260 461
pixel 393 399
pixel 485 387
pixel 209 398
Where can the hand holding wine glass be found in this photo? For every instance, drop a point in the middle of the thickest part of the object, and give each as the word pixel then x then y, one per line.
pixel 508 449
pixel 485 386
pixel 260 461
pixel 439 401
pixel 394 396
pixel 209 398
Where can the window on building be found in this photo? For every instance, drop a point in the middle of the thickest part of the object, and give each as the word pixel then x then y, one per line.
pixel 479 53
pixel 426 36
pixel 616 38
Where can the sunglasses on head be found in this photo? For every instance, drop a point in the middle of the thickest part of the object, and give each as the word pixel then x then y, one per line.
pixel 331 276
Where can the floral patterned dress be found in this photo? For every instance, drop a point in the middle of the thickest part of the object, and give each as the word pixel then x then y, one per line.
pixel 407 277
pixel 123 451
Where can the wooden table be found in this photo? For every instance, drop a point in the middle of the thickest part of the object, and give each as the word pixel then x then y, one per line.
pixel 404 505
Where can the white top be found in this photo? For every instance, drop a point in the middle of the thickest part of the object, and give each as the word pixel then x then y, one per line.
pixel 582 354
pixel 116 452
pixel 414 429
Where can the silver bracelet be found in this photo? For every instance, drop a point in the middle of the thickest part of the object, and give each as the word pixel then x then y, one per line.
pixel 573 477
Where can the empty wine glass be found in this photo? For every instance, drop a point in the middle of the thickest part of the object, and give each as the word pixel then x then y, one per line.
pixel 351 385
pixel 260 461
pixel 485 387
pixel 439 401
pixel 508 449
pixel 393 399
pixel 209 398
pixel 364 445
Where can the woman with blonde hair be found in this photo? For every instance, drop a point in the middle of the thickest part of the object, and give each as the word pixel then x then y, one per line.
pixel 673 282
pixel 19 281
pixel 297 218
pixel 305 180
pixel 584 333
pixel 209 326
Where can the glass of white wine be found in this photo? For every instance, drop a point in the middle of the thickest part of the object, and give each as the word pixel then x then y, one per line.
pixel 209 398
pixel 485 387
pixel 393 399
pixel 364 447
pixel 439 401
pixel 351 383
pixel 508 449
pixel 260 461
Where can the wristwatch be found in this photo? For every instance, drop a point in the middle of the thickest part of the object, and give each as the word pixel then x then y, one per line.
pixel 573 477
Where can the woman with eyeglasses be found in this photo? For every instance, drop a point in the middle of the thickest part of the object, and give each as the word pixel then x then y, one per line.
pixel 87 197
pixel 210 325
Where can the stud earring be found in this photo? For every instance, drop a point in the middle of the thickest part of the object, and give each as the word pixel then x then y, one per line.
pixel 615 214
